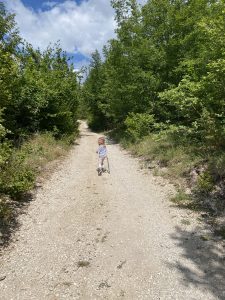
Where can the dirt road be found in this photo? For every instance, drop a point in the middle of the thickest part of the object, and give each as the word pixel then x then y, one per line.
pixel 110 237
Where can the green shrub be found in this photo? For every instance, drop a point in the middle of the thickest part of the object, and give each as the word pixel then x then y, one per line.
pixel 161 148
pixel 20 166
pixel 205 183
pixel 16 177
pixel 139 125
pixel 4 146
pixel 5 152
pixel 217 166
pixel 181 197
pixel 5 212
pixel 2 128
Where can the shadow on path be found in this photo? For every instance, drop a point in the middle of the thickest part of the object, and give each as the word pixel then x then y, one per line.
pixel 7 229
pixel 208 258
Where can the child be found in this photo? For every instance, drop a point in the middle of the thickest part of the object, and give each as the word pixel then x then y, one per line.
pixel 102 154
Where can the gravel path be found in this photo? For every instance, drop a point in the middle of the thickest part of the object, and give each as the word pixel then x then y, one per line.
pixel 109 237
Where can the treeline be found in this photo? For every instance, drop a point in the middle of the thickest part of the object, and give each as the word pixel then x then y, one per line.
pixel 163 75
pixel 38 95
pixel 167 61
pixel 39 90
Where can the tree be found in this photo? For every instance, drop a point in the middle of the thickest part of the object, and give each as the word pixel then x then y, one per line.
pixel 95 102
pixel 167 61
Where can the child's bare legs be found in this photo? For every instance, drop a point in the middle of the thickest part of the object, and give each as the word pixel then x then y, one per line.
pixel 101 162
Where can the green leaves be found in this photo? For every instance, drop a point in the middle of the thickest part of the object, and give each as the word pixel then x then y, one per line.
pixel 168 61
pixel 139 125
pixel 38 92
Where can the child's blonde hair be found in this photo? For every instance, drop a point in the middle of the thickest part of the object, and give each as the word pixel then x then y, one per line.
pixel 101 140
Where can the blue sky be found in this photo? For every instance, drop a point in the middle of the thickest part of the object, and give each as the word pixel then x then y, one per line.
pixel 40 4
pixel 81 26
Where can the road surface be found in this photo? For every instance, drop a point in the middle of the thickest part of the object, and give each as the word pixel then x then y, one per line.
pixel 115 236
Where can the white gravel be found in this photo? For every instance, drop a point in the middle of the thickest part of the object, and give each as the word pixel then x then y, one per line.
pixel 114 236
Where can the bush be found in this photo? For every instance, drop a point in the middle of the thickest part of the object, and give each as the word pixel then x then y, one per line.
pixel 205 183
pixel 181 198
pixel 217 166
pixel 5 152
pixel 16 177
pixel 139 125
pixel 20 166
pixel 5 212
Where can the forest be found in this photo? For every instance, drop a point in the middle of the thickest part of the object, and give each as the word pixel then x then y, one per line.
pixel 38 110
pixel 160 86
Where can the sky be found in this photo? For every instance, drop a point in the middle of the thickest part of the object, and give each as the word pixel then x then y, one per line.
pixel 81 26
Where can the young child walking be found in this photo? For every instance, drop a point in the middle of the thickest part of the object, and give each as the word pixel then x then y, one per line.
pixel 102 155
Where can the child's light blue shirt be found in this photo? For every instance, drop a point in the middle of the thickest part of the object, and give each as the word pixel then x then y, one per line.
pixel 102 151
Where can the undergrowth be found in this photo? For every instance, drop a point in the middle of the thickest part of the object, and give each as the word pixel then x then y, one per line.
pixel 177 159
pixel 197 171
pixel 20 166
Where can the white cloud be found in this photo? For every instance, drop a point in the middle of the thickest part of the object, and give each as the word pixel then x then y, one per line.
pixel 49 3
pixel 142 2
pixel 80 28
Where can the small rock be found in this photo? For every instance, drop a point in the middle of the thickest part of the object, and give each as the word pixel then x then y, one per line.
pixel 121 264
pixel 104 284
pixel 2 278
pixel 83 263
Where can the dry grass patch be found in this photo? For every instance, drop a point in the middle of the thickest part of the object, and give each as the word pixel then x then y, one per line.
pixel 176 160
pixel 19 172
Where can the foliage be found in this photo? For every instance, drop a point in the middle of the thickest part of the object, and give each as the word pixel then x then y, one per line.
pixel 93 102
pixel 46 97
pixel 39 90
pixel 205 183
pixel 38 104
pixel 168 61
pixel 181 198
pixel 19 170
pixel 5 212
pixel 139 125
pixel 216 166
pixel 16 179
